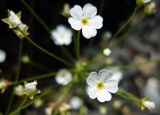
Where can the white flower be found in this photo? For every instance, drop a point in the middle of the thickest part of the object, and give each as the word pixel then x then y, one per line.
pixel 2 56
pixel 106 51
pixel 145 104
pixel 14 19
pixel 4 84
pixel 75 102
pixel 30 89
pixel 48 111
pixel 63 77
pixel 19 90
pixel 85 19
pixel 25 59
pixel 38 102
pixel 101 84
pixel 61 35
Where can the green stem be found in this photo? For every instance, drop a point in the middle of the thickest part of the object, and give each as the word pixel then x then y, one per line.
pixel 129 96
pixel 129 30
pixel 47 52
pixel 45 27
pixel 39 66
pixel 123 26
pixel 36 16
pixel 101 7
pixel 67 54
pixel 78 45
pixel 42 76
pixel 20 107
pixel 17 75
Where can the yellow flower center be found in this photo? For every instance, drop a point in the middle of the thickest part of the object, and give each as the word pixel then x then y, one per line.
pixel 100 85
pixel 84 21
pixel 61 36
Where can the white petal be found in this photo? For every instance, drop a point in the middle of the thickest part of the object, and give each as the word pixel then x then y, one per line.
pixel 104 96
pixel 92 78
pixel 89 11
pixel 88 32
pixel 75 24
pixel 105 74
pixel 92 92
pixel 111 86
pixel 76 12
pixel 96 22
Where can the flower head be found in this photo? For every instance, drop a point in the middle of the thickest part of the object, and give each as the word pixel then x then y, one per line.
pixel 4 84
pixel 101 84
pixel 2 56
pixel 86 19
pixel 30 89
pixel 63 77
pixel 13 19
pixel 150 8
pixel 19 90
pixel 145 104
pixel 61 35
pixel 106 51
pixel 14 22
pixel 75 102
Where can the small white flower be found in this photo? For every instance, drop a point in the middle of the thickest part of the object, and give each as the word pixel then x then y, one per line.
pixel 19 90
pixel 61 35
pixel 25 59
pixel 63 77
pixel 85 19
pixel 14 19
pixel 75 102
pixel 2 56
pixel 38 102
pixel 30 89
pixel 101 84
pixel 145 104
pixel 48 111
pixel 4 84
pixel 106 51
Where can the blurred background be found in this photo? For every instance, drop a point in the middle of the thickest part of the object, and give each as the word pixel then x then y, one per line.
pixel 142 45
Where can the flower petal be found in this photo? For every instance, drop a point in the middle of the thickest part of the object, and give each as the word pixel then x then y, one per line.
pixel 76 12
pixel 89 11
pixel 88 32
pixel 75 24
pixel 103 96
pixel 92 78
pixel 92 92
pixel 96 22
pixel 111 86
pixel 105 74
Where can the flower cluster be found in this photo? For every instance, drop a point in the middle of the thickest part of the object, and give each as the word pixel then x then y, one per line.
pixel 28 89
pixel 14 22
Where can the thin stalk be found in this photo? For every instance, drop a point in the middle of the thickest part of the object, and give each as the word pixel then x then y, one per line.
pixel 39 66
pixel 67 53
pixel 123 26
pixel 38 18
pixel 17 75
pixel 47 52
pixel 129 96
pixel 78 45
pixel 20 107
pixel 42 76
pixel 129 30
pixel 35 15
